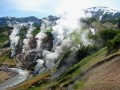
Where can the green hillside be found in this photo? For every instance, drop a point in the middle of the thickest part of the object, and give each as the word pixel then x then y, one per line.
pixel 74 69
pixel 75 76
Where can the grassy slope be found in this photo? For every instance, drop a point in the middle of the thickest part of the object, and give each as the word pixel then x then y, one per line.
pixel 3 38
pixel 75 71
pixel 80 67
pixel 69 76
pixel 4 57
pixel 79 85
pixel 104 77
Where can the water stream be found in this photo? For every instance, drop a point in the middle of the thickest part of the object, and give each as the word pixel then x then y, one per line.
pixel 19 78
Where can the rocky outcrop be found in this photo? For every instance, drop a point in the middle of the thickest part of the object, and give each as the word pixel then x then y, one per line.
pixel 28 59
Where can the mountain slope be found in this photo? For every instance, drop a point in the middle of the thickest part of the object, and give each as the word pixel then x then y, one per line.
pixel 85 75
pixel 105 77
pixel 69 64
pixel 102 13
pixel 10 21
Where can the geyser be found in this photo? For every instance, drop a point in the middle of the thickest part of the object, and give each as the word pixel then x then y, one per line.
pixel 14 39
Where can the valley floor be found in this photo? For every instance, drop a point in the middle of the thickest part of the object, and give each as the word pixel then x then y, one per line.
pixel 95 72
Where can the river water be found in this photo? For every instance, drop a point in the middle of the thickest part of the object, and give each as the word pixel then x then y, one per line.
pixel 19 78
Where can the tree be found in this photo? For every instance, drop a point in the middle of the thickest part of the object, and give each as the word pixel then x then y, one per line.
pixel 108 34
pixel 118 23
pixel 114 44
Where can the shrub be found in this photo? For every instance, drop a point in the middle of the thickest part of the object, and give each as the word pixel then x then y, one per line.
pixel 85 51
pixel 114 44
pixel 109 45
pixel 117 41
pixel 118 23
pixel 3 38
pixel 108 34
pixel 36 31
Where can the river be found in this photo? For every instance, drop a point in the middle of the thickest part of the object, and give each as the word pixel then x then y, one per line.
pixel 19 78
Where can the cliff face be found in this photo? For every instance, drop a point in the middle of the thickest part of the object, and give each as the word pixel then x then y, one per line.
pixel 28 60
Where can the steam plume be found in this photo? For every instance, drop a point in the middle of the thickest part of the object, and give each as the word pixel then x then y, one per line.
pixel 14 39
pixel 27 39
pixel 69 22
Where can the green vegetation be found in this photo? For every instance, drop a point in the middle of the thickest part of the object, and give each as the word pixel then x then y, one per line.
pixel 86 57
pixel 89 20
pixel 49 30
pixel 4 52
pixel 3 38
pixel 108 34
pixel 4 58
pixel 97 57
pixel 75 37
pixel 4 31
pixel 118 23
pixel 114 44
pixel 66 78
pixel 111 39
pixel 75 71
pixel 36 31
pixel 23 32
pixel 85 51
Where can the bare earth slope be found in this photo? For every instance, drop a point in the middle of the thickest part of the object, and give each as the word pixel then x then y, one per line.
pixel 105 76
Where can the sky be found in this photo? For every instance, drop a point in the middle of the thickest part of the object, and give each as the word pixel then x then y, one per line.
pixel 44 8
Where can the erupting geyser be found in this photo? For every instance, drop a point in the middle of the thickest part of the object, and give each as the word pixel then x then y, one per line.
pixel 44 49
pixel 14 40
pixel 26 41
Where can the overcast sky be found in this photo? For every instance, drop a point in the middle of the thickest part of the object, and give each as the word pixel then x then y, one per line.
pixel 43 8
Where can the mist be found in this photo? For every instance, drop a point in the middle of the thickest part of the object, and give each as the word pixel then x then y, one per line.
pixel 27 38
pixel 14 38
pixel 69 22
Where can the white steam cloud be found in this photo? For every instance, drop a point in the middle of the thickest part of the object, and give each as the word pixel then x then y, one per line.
pixel 46 25
pixel 39 65
pixel 92 30
pixel 14 39
pixel 69 22
pixel 84 38
pixel 40 36
pixel 27 39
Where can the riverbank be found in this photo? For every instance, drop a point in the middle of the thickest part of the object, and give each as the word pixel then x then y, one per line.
pixel 21 76
pixel 6 74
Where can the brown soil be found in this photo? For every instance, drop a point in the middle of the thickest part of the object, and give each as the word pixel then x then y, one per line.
pixel 3 76
pixel 104 77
